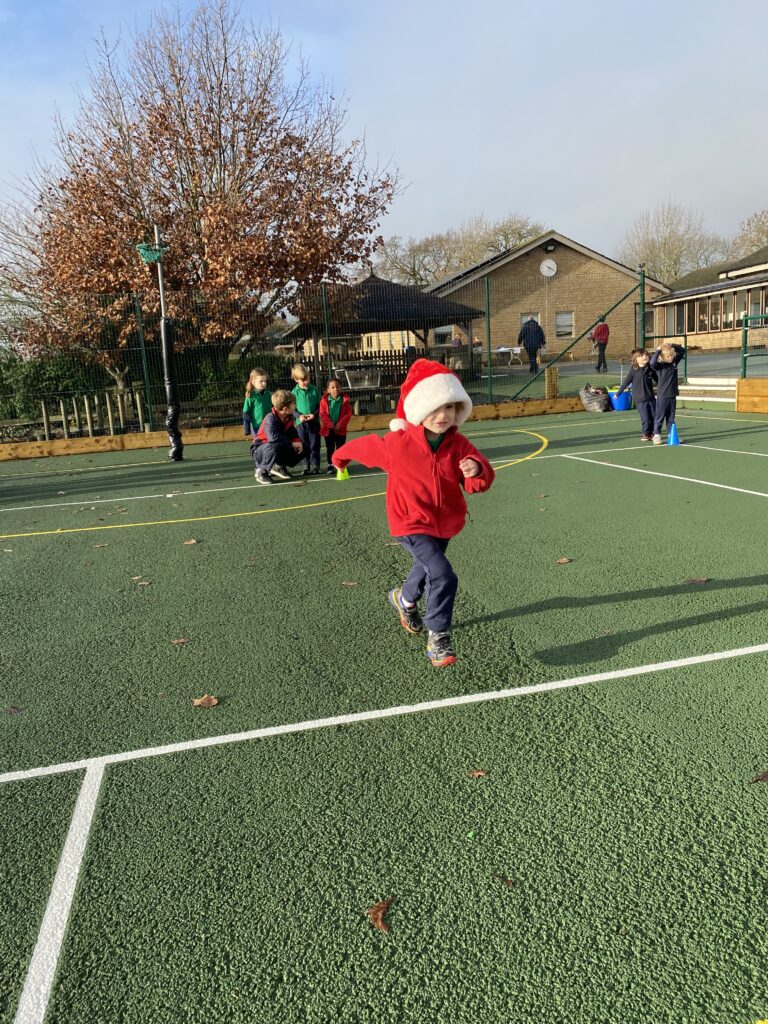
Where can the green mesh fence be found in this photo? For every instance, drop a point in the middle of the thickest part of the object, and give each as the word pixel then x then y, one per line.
pixel 367 334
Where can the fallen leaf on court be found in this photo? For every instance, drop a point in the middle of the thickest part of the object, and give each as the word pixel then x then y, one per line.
pixel 61 492
pixel 11 710
pixel 190 541
pixel 564 561
pixel 8 551
pixel 348 583
pixel 701 580
pixel 762 777
pixel 392 544
pixel 181 640
pixel 477 773
pixel 503 879
pixel 134 578
pixel 101 545
pixel 299 483
pixel 376 915
pixel 542 510
pixel 541 495
pixel 144 583
pixel 206 701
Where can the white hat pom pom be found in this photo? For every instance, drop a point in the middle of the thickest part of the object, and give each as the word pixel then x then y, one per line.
pixel 398 424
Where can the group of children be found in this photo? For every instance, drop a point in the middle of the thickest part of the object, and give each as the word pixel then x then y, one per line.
pixel 285 427
pixel 426 459
pixel 659 372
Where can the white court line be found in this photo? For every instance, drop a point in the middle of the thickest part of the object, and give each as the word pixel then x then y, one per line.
pixel 42 967
pixel 669 476
pixel 380 713
pixel 323 479
pixel 730 451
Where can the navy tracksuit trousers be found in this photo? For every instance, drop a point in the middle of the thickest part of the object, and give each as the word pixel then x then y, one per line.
pixel 433 575
pixel 665 410
pixel 309 432
pixel 332 442
pixel 647 411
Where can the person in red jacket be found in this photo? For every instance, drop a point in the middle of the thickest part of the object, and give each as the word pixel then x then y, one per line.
pixel 600 338
pixel 427 462
pixel 335 414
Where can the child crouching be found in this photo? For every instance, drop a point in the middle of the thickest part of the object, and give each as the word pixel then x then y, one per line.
pixel 279 446
pixel 427 462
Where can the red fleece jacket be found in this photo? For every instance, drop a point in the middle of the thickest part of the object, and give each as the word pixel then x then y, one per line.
pixel 423 487
pixel 326 423
pixel 600 334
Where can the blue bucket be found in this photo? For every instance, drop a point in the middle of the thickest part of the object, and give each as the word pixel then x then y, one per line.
pixel 620 403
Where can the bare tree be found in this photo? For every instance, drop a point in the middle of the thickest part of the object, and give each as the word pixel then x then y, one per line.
pixel 203 125
pixel 752 235
pixel 671 241
pixel 425 260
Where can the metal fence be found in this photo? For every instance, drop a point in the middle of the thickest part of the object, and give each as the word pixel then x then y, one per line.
pixel 112 379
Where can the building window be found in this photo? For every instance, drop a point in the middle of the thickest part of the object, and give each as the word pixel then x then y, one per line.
pixel 680 318
pixel 741 307
pixel 702 319
pixel 669 320
pixel 529 316
pixel 714 313
pixel 755 308
pixel 728 312
pixel 690 316
pixel 650 324
pixel 563 325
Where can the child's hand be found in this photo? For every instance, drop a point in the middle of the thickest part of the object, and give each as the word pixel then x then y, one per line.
pixel 297 446
pixel 469 467
pixel 309 416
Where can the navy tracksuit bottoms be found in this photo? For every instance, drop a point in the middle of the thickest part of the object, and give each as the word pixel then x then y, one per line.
pixel 665 410
pixel 647 411
pixel 309 432
pixel 433 575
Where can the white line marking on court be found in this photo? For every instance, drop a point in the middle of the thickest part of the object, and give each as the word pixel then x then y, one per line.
pixel 45 958
pixel 730 451
pixel 669 476
pixel 369 716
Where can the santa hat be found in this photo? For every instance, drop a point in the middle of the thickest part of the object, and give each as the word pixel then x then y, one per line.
pixel 427 386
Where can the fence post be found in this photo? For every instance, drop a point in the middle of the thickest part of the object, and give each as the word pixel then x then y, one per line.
pixel 144 368
pixel 88 416
pixel 78 422
pixel 685 359
pixel 176 453
pixel 487 294
pixel 744 347
pixel 64 418
pixel 46 421
pixel 642 305
pixel 139 410
pixel 110 416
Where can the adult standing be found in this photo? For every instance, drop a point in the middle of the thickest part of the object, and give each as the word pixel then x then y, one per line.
pixel 600 337
pixel 532 338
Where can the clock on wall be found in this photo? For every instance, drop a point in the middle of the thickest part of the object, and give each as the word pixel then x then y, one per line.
pixel 548 268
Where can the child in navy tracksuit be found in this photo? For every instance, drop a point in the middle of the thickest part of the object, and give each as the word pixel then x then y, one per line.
pixel 308 417
pixel 427 462
pixel 641 379
pixel 664 362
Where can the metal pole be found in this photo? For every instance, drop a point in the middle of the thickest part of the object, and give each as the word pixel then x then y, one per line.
pixel 642 306
pixel 327 329
pixel 487 294
pixel 685 359
pixel 176 453
pixel 744 347
pixel 144 367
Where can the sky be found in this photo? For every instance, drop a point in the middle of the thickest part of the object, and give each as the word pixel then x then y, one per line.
pixel 581 115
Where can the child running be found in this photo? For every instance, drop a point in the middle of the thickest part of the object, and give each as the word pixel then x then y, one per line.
pixel 428 462
pixel 279 445
pixel 641 379
pixel 308 409
pixel 258 402
pixel 664 361
pixel 335 414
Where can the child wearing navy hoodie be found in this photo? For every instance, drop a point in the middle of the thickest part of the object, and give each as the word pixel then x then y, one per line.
pixel 641 379
pixel 664 362
pixel 427 462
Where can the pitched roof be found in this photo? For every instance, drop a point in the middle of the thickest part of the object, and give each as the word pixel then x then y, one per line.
pixel 479 270
pixel 720 271
pixel 374 305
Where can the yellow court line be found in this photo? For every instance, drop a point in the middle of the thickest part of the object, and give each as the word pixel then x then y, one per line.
pixel 192 519
pixel 256 512
pixel 544 444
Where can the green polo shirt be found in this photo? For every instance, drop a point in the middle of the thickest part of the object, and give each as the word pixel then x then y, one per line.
pixel 307 400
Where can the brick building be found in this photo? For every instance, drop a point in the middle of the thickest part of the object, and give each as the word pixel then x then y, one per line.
pixel 709 305
pixel 561 283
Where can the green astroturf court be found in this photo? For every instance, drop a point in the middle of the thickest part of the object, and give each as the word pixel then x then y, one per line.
pixel 166 863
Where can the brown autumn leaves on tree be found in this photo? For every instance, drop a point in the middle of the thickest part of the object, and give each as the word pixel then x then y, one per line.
pixel 205 126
